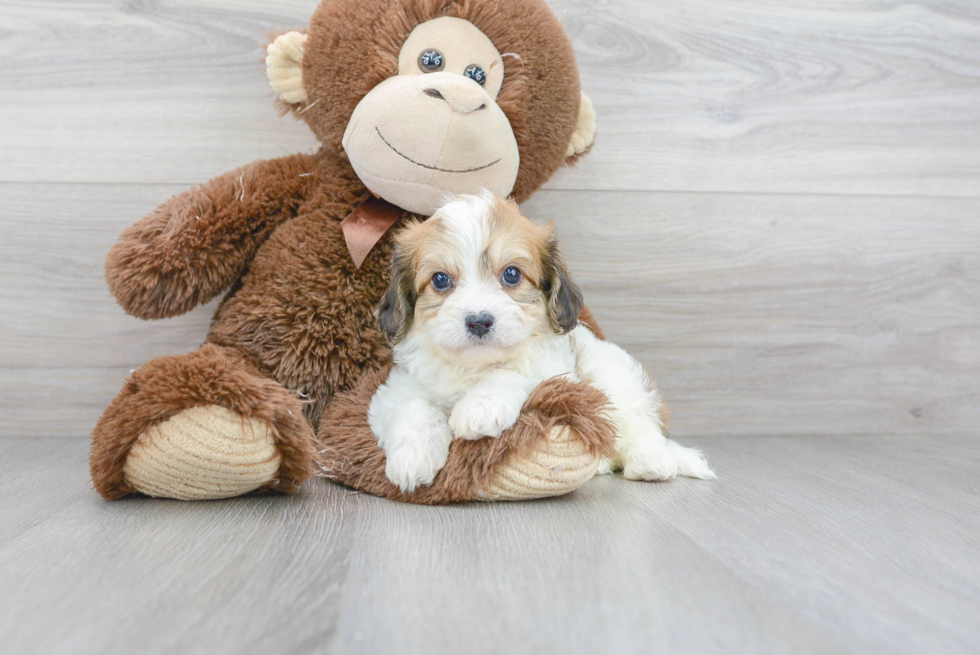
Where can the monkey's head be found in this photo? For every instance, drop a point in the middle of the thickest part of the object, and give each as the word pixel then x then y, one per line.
pixel 429 97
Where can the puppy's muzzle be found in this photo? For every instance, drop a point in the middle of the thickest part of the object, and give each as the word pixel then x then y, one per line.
pixel 479 324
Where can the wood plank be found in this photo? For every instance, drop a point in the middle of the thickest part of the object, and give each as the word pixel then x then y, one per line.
pixel 114 91
pixel 757 314
pixel 580 574
pixel 39 478
pixel 184 577
pixel 53 295
pixel 52 402
pixel 862 97
pixel 787 314
pixel 889 525
pixel 803 546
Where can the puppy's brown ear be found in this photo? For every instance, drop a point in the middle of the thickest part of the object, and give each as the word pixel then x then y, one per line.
pixel 564 298
pixel 397 308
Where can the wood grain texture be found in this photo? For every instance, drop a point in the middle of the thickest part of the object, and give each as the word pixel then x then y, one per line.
pixel 842 545
pixel 775 313
pixel 787 314
pixel 857 97
pixel 758 314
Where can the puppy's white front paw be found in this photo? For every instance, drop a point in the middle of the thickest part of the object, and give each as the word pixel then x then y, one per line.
pixel 651 464
pixel 413 465
pixel 478 416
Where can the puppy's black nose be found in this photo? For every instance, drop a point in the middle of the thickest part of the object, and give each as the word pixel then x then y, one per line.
pixel 479 324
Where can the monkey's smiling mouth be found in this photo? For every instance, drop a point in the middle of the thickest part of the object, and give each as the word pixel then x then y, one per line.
pixel 431 168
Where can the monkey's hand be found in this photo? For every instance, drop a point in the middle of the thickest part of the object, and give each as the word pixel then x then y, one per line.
pixel 195 245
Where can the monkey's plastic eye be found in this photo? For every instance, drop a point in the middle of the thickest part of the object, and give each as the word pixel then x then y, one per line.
pixel 431 60
pixel 441 282
pixel 511 276
pixel 476 74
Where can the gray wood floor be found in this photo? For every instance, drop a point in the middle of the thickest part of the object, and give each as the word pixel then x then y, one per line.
pixel 829 545
pixel 779 217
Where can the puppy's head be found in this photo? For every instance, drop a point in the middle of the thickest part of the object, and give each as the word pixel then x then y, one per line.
pixel 478 278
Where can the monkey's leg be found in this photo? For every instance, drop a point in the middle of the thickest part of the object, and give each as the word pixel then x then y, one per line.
pixel 200 426
pixel 555 447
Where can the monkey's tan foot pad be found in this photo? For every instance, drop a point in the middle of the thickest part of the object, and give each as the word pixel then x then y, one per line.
pixel 203 453
pixel 561 464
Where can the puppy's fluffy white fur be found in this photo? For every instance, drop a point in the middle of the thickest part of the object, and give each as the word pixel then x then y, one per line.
pixel 457 377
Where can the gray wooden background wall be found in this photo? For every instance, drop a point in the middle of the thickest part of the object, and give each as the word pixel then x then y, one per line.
pixel 780 215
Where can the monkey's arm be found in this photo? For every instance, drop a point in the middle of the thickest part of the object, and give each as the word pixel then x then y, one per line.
pixel 198 243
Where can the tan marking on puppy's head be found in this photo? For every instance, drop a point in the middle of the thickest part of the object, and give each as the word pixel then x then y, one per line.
pixel 513 240
pixel 422 249
pixel 535 251
pixel 433 253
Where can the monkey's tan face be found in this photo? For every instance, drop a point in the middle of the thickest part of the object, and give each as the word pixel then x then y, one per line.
pixel 436 128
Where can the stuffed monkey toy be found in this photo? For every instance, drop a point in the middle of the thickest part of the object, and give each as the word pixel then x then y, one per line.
pixel 411 100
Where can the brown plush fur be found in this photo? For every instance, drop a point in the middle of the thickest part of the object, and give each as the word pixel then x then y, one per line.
pixel 208 376
pixel 298 321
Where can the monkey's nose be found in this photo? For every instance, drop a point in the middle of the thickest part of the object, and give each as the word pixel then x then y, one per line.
pixel 479 324
pixel 462 94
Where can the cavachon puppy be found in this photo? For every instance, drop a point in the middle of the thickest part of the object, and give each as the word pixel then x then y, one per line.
pixel 481 310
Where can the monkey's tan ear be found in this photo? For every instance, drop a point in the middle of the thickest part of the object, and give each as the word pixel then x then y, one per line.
pixel 584 133
pixel 284 66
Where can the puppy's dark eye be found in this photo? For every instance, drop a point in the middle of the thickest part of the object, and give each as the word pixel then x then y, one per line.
pixel 476 74
pixel 511 276
pixel 431 60
pixel 441 282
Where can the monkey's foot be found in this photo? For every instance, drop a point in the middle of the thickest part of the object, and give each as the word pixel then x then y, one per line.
pixel 198 426
pixel 561 463
pixel 203 453
pixel 556 446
